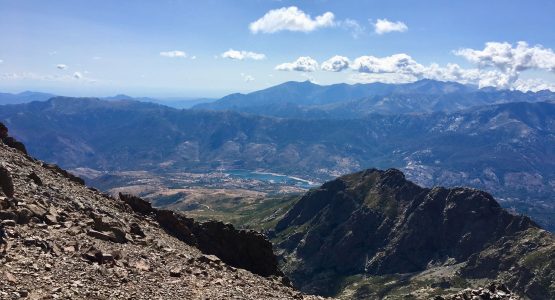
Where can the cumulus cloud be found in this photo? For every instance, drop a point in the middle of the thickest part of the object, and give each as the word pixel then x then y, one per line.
pixel 507 58
pixel 291 19
pixel 302 64
pixel 397 63
pixel 385 26
pixel 498 65
pixel 240 55
pixel 173 54
pixel 336 64
pixel 77 75
pixel 61 66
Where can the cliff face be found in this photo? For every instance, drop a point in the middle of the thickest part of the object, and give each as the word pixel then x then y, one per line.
pixel 245 249
pixel 377 223
pixel 69 241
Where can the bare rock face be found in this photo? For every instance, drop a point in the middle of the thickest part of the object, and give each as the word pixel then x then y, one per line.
pixel 492 292
pixel 10 141
pixel 245 249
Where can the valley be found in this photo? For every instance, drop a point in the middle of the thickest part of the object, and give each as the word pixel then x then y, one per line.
pixel 506 149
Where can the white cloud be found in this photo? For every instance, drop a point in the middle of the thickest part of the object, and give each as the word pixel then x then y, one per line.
pixel 1 61
pixel 193 57
pixel 498 65
pixel 385 26
pixel 501 64
pixel 173 54
pixel 97 58
pixel 292 19
pixel 533 85
pixel 77 75
pixel 353 27
pixel 247 78
pixel 507 58
pixel 336 64
pixel 240 55
pixel 396 63
pixel 61 66
pixel 302 64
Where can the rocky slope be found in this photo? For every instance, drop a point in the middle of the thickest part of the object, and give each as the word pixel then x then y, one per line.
pixel 67 241
pixel 374 233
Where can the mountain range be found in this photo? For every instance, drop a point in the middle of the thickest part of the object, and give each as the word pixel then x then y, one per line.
pixel 506 149
pixel 175 102
pixel 344 101
pixel 23 97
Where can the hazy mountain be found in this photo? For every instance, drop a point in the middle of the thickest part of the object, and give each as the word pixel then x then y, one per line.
pixel 309 100
pixel 175 102
pixel 507 149
pixel 23 97
pixel 355 232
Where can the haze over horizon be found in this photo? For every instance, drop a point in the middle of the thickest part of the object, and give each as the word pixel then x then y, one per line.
pixel 213 48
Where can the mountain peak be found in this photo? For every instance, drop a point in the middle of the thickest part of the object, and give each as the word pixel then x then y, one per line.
pixel 389 225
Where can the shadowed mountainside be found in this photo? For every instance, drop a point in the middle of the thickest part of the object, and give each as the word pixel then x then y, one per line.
pixel 376 223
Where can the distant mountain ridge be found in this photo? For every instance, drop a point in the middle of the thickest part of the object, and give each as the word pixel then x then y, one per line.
pixel 309 100
pixel 506 149
pixel 175 102
pixel 24 97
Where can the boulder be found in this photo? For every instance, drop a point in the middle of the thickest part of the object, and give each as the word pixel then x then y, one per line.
pixel 176 272
pixel 10 223
pixel 35 178
pixel 6 182
pixel 136 229
pixel 24 215
pixel 103 235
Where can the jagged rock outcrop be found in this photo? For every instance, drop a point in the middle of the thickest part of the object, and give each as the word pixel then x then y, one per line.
pixel 492 292
pixel 6 183
pixel 10 141
pixel 378 223
pixel 66 241
pixel 245 249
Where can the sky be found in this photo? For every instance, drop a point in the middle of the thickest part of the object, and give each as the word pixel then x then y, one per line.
pixel 209 48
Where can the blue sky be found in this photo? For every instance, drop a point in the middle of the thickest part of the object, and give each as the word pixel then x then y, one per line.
pixel 176 48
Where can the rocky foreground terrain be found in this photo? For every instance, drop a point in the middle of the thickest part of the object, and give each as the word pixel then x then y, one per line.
pixel 67 241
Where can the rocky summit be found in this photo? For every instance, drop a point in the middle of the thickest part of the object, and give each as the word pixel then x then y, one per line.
pixel 67 241
pixel 374 234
